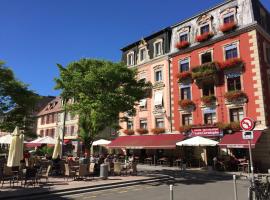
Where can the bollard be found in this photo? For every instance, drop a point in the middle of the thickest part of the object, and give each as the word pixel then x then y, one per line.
pixel 171 192
pixel 235 187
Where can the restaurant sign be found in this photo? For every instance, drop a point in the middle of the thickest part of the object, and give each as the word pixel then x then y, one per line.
pixel 206 132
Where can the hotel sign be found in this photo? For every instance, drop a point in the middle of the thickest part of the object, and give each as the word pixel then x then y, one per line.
pixel 206 132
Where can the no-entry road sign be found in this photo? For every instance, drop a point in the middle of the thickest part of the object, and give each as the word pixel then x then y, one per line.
pixel 247 124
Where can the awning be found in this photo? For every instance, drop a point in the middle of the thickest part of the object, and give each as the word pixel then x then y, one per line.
pixel 236 141
pixel 101 142
pixel 142 102
pixel 164 141
pixel 158 98
pixel 197 141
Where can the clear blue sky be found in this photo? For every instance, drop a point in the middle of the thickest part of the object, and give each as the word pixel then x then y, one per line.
pixel 37 34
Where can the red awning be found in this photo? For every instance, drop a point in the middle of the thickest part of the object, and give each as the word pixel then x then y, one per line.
pixel 236 141
pixel 164 141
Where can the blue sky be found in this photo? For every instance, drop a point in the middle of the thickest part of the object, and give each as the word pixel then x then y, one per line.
pixel 37 34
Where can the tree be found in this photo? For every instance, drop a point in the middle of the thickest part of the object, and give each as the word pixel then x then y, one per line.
pixel 17 103
pixel 101 90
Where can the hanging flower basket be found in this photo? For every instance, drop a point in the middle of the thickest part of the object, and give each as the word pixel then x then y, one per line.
pixel 142 131
pixel 187 104
pixel 208 100
pixel 228 27
pixel 158 130
pixel 129 132
pixel 185 129
pixel 205 70
pixel 182 76
pixel 182 45
pixel 231 63
pixel 204 37
pixel 236 96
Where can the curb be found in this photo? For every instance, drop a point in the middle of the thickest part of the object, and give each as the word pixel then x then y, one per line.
pixel 86 189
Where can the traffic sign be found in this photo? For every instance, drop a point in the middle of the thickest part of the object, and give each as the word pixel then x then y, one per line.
pixel 247 124
pixel 247 135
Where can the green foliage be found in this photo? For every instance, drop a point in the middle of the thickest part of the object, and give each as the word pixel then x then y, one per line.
pixel 45 150
pixel 205 70
pixel 17 102
pixel 101 90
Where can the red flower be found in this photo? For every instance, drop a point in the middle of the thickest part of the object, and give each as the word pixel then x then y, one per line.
pixel 158 130
pixel 128 132
pixel 204 37
pixel 186 103
pixel 208 100
pixel 183 75
pixel 233 62
pixel 142 131
pixel 182 44
pixel 227 27
pixel 235 95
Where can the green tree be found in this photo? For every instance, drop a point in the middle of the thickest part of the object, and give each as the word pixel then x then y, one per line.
pixel 101 90
pixel 17 103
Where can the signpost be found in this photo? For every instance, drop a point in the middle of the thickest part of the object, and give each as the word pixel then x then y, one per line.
pixel 248 124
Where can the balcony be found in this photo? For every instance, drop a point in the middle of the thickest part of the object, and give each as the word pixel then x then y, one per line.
pixel 184 76
pixel 232 64
pixel 182 45
pixel 187 105
pixel 228 27
pixel 204 37
pixel 209 101
pixel 235 97
pixel 158 85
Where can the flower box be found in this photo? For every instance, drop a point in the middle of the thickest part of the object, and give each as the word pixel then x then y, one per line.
pixel 185 129
pixel 142 131
pixel 208 100
pixel 235 126
pixel 228 27
pixel 182 76
pixel 158 130
pixel 129 132
pixel 205 70
pixel 236 96
pixel 187 104
pixel 231 63
pixel 182 45
pixel 204 37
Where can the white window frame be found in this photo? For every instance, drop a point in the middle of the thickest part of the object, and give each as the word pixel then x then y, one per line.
pixel 158 99
pixel 161 48
pixel 156 120
pixel 229 44
pixel 140 51
pixel 205 24
pixel 132 61
pixel 183 33
pixel 181 121
pixel 206 51
pixel 181 60
pixel 145 122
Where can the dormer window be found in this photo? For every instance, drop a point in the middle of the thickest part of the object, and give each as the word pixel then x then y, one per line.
pixel 158 48
pixel 130 59
pixel 228 19
pixel 142 54
pixel 183 37
pixel 205 29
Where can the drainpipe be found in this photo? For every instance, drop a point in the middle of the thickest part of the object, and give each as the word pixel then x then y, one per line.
pixel 170 94
pixel 64 124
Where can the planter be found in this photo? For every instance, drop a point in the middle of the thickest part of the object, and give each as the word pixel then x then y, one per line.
pixel 235 126
pixel 231 63
pixel 158 130
pixel 128 132
pixel 208 100
pixel 183 76
pixel 205 70
pixel 204 37
pixel 182 45
pixel 185 129
pixel 228 27
pixel 142 131
pixel 187 104
pixel 236 96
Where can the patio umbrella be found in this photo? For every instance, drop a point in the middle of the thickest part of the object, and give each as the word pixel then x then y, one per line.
pixel 101 142
pixel 197 141
pixel 6 139
pixel 40 141
pixel 15 154
pixel 57 148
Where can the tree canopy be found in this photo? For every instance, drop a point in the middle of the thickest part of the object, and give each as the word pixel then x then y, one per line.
pixel 17 102
pixel 101 90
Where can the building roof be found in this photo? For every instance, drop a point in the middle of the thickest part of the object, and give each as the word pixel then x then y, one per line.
pixel 52 107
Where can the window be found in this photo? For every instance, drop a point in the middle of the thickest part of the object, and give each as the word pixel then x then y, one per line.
pixel 158 75
pixel 231 52
pixel 158 48
pixel 143 123
pixel 52 133
pixel 143 104
pixel 236 114
pixel 185 93
pixel 47 132
pixel 186 119
pixel 129 124
pixel 205 29
pixel 41 133
pixel 158 100
pixel 48 118
pixel 183 37
pixel 208 90
pixel 52 118
pixel 234 83
pixel 143 54
pixel 159 123
pixel 206 57
pixel 209 118
pixel 42 120
pixel 130 59
pixel 184 65
pixel 228 19
pixel 71 130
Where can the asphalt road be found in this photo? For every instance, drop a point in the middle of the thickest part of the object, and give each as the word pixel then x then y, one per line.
pixel 188 186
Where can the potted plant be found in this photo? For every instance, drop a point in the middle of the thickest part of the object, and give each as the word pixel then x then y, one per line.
pixel 205 36
pixel 234 96
pixel 208 100
pixel 158 130
pixel 227 27
pixel 187 104
pixel 231 63
pixel 142 131
pixel 129 132
pixel 205 70
pixel 182 44
pixel 182 76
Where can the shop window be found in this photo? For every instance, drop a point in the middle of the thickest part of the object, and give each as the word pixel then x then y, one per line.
pixel 205 29
pixel 231 52
pixel 158 75
pixel 159 123
pixel 185 93
pixel 158 48
pixel 206 57
pixel 228 19
pixel 130 59
pixel 208 90
pixel 129 124
pixel 143 123
pixel 184 65
pixel 236 114
pixel 209 118
pixel 186 119
pixel 234 83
